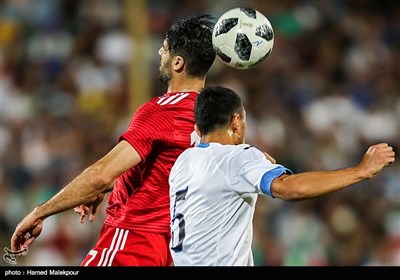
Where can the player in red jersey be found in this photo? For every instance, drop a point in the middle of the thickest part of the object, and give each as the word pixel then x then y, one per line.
pixel 136 231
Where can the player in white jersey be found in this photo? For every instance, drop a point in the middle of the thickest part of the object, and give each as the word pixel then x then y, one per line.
pixel 218 180
pixel 214 186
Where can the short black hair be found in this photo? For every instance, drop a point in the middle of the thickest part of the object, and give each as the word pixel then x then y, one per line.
pixel 191 38
pixel 214 108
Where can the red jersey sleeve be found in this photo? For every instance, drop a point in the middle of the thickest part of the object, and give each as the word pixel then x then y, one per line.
pixel 151 125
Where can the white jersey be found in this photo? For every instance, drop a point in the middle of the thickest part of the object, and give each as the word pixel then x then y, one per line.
pixel 213 190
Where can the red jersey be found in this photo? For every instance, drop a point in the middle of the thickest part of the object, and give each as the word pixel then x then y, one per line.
pixel 159 131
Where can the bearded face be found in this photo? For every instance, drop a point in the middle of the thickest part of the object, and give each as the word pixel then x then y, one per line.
pixel 165 72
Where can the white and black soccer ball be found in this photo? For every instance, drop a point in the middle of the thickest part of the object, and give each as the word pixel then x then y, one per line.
pixel 243 37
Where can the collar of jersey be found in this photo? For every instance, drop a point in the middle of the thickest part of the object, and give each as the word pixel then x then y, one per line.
pixel 203 145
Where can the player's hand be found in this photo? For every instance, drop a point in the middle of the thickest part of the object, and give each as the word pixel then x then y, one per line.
pixel 271 159
pixel 376 158
pixel 84 210
pixel 26 232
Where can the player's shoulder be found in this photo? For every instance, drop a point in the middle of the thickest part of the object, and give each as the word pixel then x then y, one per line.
pixel 235 151
pixel 183 158
pixel 246 150
pixel 236 148
pixel 245 147
pixel 183 155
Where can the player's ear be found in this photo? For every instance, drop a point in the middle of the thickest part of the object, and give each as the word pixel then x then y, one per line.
pixel 177 63
pixel 235 123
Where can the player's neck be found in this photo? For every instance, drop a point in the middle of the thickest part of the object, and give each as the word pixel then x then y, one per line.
pixel 222 137
pixel 178 85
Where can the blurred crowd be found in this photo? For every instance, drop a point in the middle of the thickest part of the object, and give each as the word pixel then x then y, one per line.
pixel 329 89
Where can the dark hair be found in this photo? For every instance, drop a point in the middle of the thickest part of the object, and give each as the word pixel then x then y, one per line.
pixel 215 107
pixel 191 38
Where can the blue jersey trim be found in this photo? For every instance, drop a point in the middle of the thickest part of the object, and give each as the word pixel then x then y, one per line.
pixel 269 176
pixel 203 145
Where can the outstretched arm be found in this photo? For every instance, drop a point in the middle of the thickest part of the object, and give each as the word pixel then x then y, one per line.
pixel 315 184
pixel 86 187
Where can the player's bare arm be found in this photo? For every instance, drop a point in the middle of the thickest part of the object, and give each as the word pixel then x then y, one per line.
pixel 314 184
pixel 88 187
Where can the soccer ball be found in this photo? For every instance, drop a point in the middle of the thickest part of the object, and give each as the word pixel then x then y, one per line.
pixel 243 38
